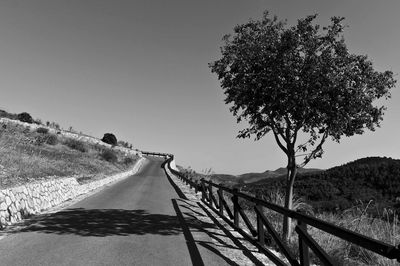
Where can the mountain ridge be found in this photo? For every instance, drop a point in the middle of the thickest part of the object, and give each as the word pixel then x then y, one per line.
pixel 253 177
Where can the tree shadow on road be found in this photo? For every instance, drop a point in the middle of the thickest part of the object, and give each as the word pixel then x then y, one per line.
pixel 103 222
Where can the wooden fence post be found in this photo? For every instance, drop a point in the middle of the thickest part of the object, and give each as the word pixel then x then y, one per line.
pixel 210 194
pixel 303 248
pixel 260 228
pixel 235 201
pixel 203 191
pixel 221 203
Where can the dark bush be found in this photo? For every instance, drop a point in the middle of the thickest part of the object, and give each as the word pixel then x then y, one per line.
pixel 6 114
pixel 42 130
pixel 52 139
pixel 25 117
pixel 41 138
pixel 334 205
pixel 110 139
pixel 109 156
pixel 76 145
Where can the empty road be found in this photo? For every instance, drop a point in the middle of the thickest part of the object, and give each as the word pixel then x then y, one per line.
pixel 137 221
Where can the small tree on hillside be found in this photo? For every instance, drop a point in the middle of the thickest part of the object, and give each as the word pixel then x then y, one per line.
pixel 25 117
pixel 110 139
pixel 299 81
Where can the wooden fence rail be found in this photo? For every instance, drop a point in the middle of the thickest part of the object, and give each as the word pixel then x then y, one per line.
pixel 264 230
pixel 150 153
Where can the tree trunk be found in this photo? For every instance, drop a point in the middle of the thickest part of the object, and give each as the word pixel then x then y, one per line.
pixel 290 176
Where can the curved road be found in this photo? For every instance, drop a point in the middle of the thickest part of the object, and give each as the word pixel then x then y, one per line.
pixel 137 221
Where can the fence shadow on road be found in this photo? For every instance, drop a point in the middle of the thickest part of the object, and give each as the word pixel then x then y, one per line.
pixel 189 215
pixel 103 222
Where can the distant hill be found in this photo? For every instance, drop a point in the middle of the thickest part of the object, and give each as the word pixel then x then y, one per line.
pixel 252 178
pixel 376 178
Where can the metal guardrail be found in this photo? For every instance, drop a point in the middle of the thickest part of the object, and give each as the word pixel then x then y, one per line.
pixel 264 230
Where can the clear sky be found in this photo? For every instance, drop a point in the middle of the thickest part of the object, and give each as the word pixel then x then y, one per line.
pixel 139 69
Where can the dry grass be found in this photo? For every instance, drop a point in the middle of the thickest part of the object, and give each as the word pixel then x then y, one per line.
pixel 385 228
pixel 24 157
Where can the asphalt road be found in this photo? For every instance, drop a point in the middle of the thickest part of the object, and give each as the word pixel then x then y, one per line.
pixel 137 221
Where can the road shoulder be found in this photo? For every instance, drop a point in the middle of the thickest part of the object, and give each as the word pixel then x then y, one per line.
pixel 211 233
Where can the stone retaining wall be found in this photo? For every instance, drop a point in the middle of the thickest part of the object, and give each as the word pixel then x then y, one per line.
pixel 19 202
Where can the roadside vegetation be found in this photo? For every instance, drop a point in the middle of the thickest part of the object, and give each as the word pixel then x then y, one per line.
pixel 28 155
pixel 341 187
pixel 364 215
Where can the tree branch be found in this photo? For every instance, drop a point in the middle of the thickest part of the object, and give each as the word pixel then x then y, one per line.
pixel 279 141
pixel 288 125
pixel 279 131
pixel 315 152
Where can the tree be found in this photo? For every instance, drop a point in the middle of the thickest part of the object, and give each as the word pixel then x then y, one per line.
pixel 110 139
pixel 25 117
pixel 300 83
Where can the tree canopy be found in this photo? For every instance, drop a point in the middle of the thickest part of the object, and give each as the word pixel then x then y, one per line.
pixel 300 78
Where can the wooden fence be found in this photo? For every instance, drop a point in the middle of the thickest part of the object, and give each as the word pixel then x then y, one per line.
pixel 213 196
pixel 158 154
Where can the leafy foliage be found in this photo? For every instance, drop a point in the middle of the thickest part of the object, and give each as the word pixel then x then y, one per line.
pixel 109 156
pixel 25 117
pixel 338 188
pixel 51 139
pixel 129 160
pixel 109 138
pixel 299 80
pixel 76 145
pixel 286 79
pixel 42 130
pixel 8 115
pixel 124 144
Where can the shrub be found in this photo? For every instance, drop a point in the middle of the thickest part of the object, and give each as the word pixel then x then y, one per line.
pixel 25 117
pixel 76 145
pixel 109 156
pixel 124 144
pixel 129 160
pixel 52 139
pixel 6 114
pixel 110 139
pixel 42 130
pixel 40 139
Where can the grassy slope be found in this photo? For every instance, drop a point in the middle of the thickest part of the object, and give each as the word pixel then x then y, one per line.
pixel 383 226
pixel 24 158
